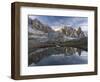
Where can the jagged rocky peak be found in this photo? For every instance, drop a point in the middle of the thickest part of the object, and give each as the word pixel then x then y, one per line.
pixel 80 33
pixel 68 31
pixel 37 24
pixel 30 21
pixel 72 32
pixel 36 21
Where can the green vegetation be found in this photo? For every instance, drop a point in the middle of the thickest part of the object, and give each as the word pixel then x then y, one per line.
pixel 77 43
pixel 80 43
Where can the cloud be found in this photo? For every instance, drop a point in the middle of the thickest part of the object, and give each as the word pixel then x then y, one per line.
pixel 84 28
pixel 32 17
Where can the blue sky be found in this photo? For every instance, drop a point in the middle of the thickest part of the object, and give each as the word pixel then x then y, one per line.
pixel 55 21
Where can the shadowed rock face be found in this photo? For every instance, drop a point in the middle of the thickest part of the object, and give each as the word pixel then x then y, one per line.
pixel 76 33
pixel 40 26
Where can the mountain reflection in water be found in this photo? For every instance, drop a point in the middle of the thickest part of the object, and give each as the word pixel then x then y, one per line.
pixel 57 56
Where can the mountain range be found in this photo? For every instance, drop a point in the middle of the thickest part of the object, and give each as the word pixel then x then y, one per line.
pixel 38 33
pixel 65 30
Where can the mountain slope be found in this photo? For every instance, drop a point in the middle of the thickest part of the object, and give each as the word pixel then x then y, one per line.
pixel 40 26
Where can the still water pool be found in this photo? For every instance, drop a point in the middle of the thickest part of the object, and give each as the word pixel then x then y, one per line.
pixel 57 56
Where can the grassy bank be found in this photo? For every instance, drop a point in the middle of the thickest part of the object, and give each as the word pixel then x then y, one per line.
pixel 79 43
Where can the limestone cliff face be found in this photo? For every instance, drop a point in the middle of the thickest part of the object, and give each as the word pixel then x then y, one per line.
pixel 40 26
pixel 72 32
